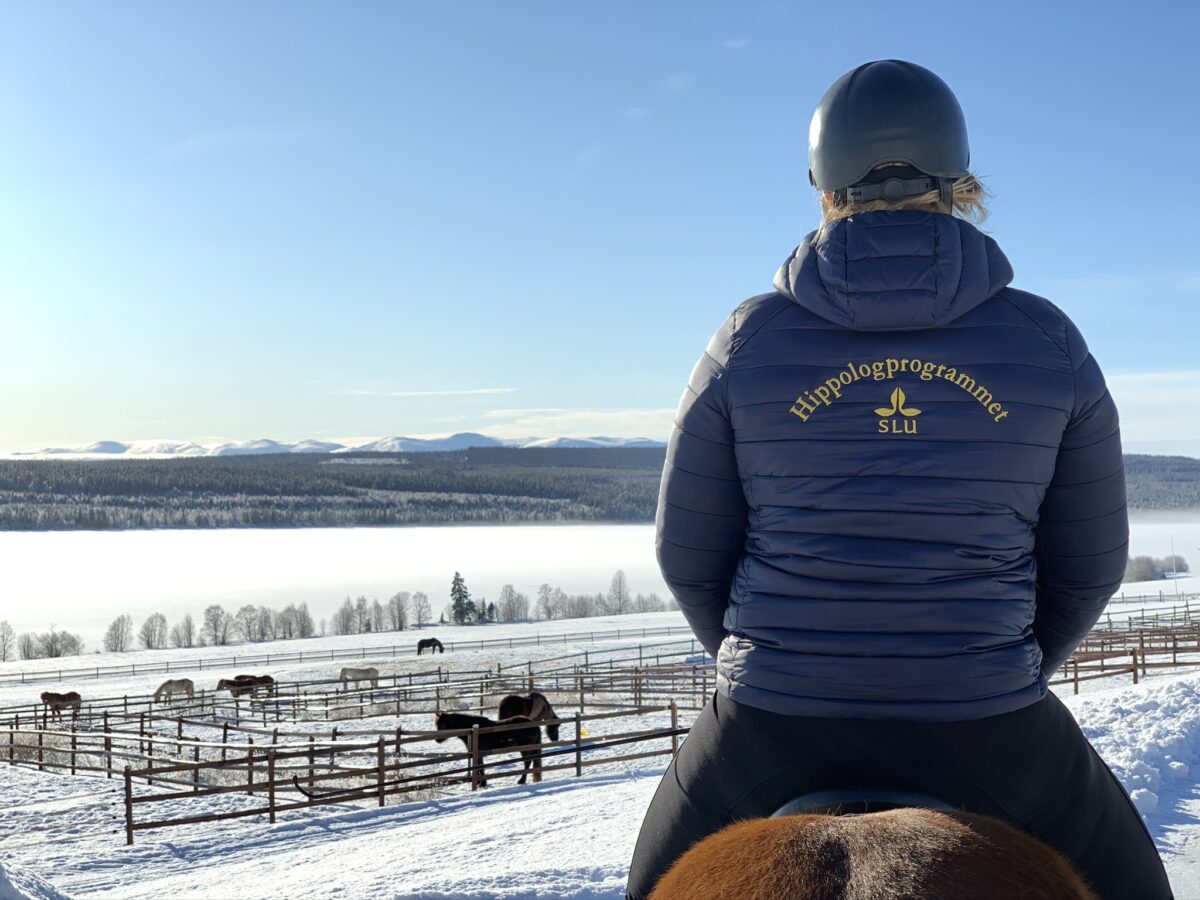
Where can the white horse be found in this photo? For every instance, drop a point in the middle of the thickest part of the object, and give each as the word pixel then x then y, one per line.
pixel 168 689
pixel 357 675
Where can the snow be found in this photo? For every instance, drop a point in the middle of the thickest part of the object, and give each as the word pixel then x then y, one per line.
pixel 565 837
pixel 18 883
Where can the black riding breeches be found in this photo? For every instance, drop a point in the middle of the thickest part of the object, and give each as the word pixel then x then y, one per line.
pixel 1032 768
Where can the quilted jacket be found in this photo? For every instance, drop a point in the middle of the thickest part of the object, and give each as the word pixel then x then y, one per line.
pixel 894 488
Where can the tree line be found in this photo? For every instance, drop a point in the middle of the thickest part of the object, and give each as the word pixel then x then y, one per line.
pixel 253 624
pixel 486 484
pixel 1147 568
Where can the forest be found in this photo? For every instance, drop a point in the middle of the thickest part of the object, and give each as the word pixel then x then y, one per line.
pixel 485 484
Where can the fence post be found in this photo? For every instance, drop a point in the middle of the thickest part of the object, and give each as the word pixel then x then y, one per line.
pixel 74 745
pixel 310 760
pixel 41 734
pixel 379 762
pixel 128 808
pixel 196 768
pixel 580 678
pixel 224 741
pixel 12 740
pixel 271 785
pixel 674 726
pixel 578 748
pixel 1133 653
pixel 250 767
pixel 1075 667
pixel 473 748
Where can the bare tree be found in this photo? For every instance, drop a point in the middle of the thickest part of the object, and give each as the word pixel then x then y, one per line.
pixel 245 623
pixel 8 642
pixel 397 610
pixel 649 603
pixel 119 636
pixel 27 646
pixel 544 609
pixel 287 623
pixel 378 617
pixel 512 606
pixel 362 615
pixel 153 633
pixel 217 625
pixel 268 624
pixel 55 643
pixel 422 610
pixel 304 622
pixel 343 619
pixel 619 600
pixel 183 633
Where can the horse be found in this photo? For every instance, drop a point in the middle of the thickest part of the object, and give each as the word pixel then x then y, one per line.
pixel 168 689
pixel 535 707
pixel 496 741
pixel 245 684
pixel 930 851
pixel 56 703
pixel 357 675
pixel 431 644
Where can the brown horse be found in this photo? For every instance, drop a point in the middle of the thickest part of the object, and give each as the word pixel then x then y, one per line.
pixel 496 741
pixel 898 854
pixel 56 703
pixel 245 684
pixel 431 644
pixel 535 706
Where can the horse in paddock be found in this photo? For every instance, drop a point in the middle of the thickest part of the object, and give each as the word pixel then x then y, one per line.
pixel 431 644
pixel 535 706
pixel 168 689
pixel 896 854
pixel 357 675
pixel 496 741
pixel 245 684
pixel 56 703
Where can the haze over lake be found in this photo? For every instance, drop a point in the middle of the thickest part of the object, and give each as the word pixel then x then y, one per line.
pixel 82 580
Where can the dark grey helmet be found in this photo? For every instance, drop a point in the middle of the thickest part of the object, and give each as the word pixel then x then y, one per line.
pixel 886 111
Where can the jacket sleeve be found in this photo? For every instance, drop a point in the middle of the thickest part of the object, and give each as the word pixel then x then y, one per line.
pixel 702 512
pixel 1082 538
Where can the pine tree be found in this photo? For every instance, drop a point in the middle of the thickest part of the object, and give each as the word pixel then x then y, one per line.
pixel 462 610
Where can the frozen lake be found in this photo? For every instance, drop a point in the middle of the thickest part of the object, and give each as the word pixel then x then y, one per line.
pixel 81 580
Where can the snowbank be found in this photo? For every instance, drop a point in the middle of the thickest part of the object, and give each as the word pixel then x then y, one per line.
pixel 17 883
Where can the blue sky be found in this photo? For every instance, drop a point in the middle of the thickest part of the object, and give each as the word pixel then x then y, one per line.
pixel 296 219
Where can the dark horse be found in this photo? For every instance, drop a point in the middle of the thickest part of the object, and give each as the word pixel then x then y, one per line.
pixel 535 707
pixel 431 644
pixel 496 741
pixel 245 684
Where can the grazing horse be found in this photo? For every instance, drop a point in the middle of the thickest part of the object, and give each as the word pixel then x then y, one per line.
pixel 535 707
pixel 897 854
pixel 56 703
pixel 496 741
pixel 431 644
pixel 357 675
pixel 245 684
pixel 168 689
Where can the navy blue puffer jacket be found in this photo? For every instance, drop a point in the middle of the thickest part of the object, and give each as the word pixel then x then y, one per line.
pixel 894 488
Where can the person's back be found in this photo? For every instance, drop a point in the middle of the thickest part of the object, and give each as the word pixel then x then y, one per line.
pixel 893 504
pixel 897 415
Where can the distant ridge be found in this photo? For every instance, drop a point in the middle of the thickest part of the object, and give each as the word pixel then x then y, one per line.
pixel 169 449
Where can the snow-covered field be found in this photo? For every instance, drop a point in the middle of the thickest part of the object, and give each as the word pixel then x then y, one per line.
pixel 565 837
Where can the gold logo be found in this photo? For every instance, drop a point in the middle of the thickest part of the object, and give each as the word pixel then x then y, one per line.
pixel 890 425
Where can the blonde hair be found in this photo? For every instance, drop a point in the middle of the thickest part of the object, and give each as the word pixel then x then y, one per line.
pixel 968 201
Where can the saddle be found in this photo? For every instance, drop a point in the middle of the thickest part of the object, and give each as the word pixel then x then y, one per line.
pixel 857 802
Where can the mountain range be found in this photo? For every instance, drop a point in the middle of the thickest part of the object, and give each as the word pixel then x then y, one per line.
pixel 168 449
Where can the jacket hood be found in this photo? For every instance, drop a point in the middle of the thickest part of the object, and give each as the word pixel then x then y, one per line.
pixel 894 270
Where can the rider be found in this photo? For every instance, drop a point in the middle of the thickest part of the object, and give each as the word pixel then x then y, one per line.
pixel 893 505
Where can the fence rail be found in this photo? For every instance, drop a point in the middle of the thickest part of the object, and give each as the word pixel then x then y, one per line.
pixel 300 656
